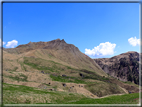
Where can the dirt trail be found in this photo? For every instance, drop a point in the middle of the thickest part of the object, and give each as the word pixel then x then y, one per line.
pixel 110 95
pixel 124 90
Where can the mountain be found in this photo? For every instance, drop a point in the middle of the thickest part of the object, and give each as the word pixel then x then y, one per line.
pixel 124 67
pixel 58 51
pixel 56 69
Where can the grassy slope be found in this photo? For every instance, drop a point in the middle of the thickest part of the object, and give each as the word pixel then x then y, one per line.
pixel 103 88
pixel 68 58
pixel 51 66
pixel 18 94
pixel 117 99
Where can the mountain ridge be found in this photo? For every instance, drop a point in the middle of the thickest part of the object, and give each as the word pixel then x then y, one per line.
pixel 54 44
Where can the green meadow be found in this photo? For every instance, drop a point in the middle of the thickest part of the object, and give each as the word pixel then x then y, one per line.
pixel 19 94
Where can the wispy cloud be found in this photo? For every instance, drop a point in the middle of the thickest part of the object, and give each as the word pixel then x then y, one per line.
pixel 134 41
pixel 12 44
pixel 103 49
pixel 1 41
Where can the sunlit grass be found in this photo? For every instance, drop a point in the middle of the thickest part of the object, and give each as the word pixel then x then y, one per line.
pixel 117 99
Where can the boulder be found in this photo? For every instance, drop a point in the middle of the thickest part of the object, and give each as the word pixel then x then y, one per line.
pixel 63 75
pixel 42 72
pixel 64 84
pixel 81 74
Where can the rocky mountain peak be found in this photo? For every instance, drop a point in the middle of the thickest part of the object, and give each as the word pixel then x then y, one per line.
pixel 56 44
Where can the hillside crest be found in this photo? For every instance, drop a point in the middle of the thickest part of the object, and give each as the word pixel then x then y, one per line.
pixel 54 44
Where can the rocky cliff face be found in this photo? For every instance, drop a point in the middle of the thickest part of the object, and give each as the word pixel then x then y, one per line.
pixel 124 67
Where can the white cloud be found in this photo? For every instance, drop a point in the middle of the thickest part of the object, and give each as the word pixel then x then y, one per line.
pixel 134 41
pixel 0 42
pixel 12 44
pixel 103 49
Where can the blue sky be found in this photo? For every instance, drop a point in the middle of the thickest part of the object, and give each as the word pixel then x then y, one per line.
pixel 97 29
